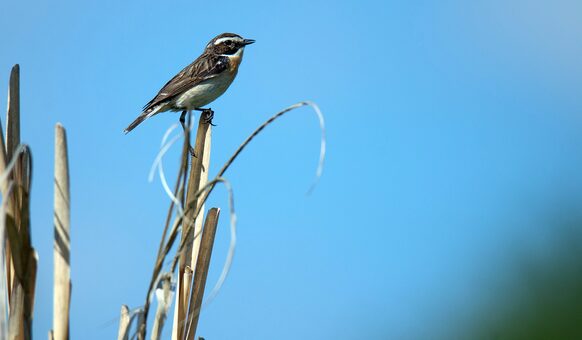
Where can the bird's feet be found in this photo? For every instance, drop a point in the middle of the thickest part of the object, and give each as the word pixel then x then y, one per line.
pixel 208 115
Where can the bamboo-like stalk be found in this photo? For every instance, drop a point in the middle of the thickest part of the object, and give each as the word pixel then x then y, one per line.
pixel 198 172
pixel 16 327
pixel 164 301
pixel 201 273
pixel 62 243
pixel 203 182
pixel 162 250
pixel 24 258
pixel 3 284
pixel 198 175
pixel 191 213
pixel 31 285
pixel 3 158
pixel 141 325
pixel 212 184
pixel 13 114
pixel 5 261
pixel 12 141
pixel 4 257
pixel 175 320
pixel 181 293
pixel 21 259
pixel 124 319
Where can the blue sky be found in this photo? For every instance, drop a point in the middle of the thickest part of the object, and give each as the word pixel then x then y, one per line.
pixel 454 131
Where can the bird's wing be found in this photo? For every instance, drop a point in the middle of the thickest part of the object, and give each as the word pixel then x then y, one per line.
pixel 205 67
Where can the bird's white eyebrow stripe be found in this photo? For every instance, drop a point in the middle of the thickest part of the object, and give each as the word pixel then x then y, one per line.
pixel 227 38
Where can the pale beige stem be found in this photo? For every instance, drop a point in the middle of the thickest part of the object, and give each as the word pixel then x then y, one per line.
pixel 62 241
pixel 197 177
pixel 201 273
pixel 124 319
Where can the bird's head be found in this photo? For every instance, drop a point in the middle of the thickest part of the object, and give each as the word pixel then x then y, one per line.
pixel 228 44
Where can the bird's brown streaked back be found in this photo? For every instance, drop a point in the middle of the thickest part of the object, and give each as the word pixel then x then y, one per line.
pixel 204 67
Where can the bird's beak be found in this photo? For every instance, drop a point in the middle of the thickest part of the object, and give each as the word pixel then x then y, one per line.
pixel 248 41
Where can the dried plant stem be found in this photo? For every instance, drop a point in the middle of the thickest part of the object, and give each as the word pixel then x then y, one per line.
pixel 3 158
pixel 12 141
pixel 201 273
pixel 198 170
pixel 124 322
pixel 16 325
pixel 62 243
pixel 163 248
pixel 164 296
pixel 203 182
pixel 13 114
pixel 21 259
pixel 204 193
pixel 191 213
pixel 24 258
pixel 3 284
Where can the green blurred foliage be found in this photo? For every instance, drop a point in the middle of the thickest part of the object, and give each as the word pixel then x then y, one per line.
pixel 548 301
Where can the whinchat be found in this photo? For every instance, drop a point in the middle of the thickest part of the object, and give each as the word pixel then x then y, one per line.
pixel 201 82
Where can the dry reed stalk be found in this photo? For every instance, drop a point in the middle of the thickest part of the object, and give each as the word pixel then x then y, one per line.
pixel 12 141
pixel 201 273
pixel 200 197
pixel 141 324
pixel 164 296
pixel 182 292
pixel 163 248
pixel 206 191
pixel 24 258
pixel 13 114
pixel 62 242
pixel 5 262
pixel 16 328
pixel 21 259
pixel 203 181
pixel 3 159
pixel 31 285
pixel 124 320
pixel 175 320
pixel 3 284
pixel 197 178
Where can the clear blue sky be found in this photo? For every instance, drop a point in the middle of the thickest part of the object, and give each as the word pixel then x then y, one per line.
pixel 454 131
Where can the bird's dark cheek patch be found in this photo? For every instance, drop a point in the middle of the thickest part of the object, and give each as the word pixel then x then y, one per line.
pixel 230 51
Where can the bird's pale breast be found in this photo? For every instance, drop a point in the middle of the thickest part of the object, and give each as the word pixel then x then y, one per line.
pixel 205 92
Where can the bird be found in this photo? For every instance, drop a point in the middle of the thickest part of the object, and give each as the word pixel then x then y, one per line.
pixel 201 82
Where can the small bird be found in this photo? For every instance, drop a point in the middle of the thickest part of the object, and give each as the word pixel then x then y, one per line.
pixel 201 82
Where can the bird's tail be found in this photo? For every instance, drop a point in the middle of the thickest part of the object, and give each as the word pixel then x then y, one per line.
pixel 143 116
